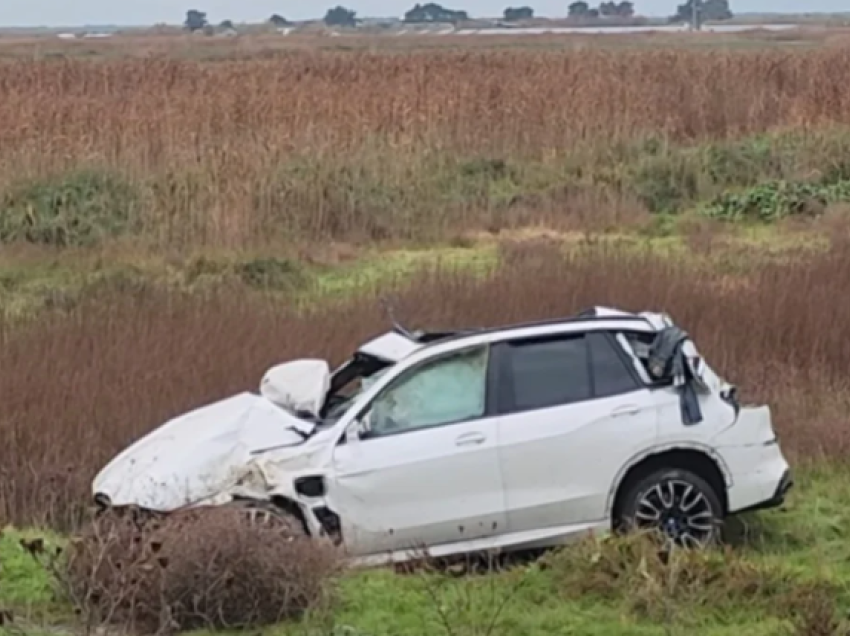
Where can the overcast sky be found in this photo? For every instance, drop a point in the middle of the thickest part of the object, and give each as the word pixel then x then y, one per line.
pixel 132 12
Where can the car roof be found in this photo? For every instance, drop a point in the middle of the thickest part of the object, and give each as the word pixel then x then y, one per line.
pixel 396 345
pixel 554 322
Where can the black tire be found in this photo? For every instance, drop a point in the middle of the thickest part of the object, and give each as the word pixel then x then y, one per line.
pixel 680 504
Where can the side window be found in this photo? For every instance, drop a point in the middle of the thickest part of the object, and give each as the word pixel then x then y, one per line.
pixel 447 390
pixel 638 345
pixel 610 375
pixel 544 373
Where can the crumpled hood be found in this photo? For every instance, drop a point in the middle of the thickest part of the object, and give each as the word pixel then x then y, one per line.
pixel 199 454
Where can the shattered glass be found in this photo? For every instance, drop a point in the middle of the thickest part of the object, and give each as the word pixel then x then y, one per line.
pixel 449 390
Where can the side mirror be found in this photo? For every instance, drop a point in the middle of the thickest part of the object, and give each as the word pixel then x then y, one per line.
pixel 352 434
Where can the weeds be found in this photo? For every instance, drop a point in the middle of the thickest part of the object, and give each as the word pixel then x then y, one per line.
pixel 666 585
pixel 656 581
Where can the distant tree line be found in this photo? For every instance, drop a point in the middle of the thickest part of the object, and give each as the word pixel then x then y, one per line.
pixel 714 10
pixel 581 9
pixel 514 14
pixel 431 12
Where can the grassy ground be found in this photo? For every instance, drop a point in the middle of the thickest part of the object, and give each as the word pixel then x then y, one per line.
pixel 791 553
pixel 35 279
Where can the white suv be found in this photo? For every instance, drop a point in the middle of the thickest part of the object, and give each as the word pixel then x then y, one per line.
pixel 523 436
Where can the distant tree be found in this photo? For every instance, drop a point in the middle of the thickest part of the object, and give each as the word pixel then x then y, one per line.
pixel 624 9
pixel 195 20
pixel 715 10
pixel 579 9
pixel 340 16
pixel 278 21
pixel 432 12
pixel 521 13
pixel 227 25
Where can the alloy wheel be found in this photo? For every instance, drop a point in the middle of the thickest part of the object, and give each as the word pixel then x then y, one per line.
pixel 679 510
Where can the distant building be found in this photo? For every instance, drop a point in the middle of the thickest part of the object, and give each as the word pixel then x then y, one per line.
pixel 380 22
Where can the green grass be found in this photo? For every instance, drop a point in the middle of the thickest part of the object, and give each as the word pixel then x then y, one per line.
pixel 34 280
pixel 27 589
pixel 378 192
pixel 778 557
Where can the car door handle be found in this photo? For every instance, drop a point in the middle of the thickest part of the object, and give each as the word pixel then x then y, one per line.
pixel 470 439
pixel 622 411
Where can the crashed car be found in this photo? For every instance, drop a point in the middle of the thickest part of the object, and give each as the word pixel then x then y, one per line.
pixel 523 436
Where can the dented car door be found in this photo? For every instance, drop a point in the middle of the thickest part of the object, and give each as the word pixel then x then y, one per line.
pixel 427 470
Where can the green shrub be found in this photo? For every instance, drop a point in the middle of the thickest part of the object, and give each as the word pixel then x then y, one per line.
pixel 77 209
pixel 665 184
pixel 776 200
pixel 270 273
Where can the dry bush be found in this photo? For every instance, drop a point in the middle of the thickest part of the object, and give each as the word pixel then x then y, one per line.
pixel 78 385
pixel 664 584
pixel 197 569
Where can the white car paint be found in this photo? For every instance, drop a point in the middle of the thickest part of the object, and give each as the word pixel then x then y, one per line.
pixel 198 454
pixel 454 476
pixel 530 479
pixel 390 346
pixel 552 460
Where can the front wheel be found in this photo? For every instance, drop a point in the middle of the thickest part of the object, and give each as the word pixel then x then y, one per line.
pixel 678 503
pixel 266 514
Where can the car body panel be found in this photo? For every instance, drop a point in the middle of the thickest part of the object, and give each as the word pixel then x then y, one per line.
pixel 422 488
pixel 391 347
pixel 198 454
pixel 557 463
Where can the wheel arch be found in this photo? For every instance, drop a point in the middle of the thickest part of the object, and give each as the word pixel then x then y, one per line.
pixel 701 460
pixel 283 504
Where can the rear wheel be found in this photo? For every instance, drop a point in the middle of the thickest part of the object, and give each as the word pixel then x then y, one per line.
pixel 678 503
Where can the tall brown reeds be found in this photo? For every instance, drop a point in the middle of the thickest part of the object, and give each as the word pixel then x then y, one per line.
pixel 321 142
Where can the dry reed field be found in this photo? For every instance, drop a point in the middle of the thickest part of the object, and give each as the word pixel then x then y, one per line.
pixel 179 217
pixel 369 145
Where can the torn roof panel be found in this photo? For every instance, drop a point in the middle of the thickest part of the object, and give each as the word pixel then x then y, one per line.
pixel 391 347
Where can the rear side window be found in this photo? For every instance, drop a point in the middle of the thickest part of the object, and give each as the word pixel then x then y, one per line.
pixel 540 374
pixel 610 375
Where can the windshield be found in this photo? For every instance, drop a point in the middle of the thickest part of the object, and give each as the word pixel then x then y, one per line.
pixel 347 395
